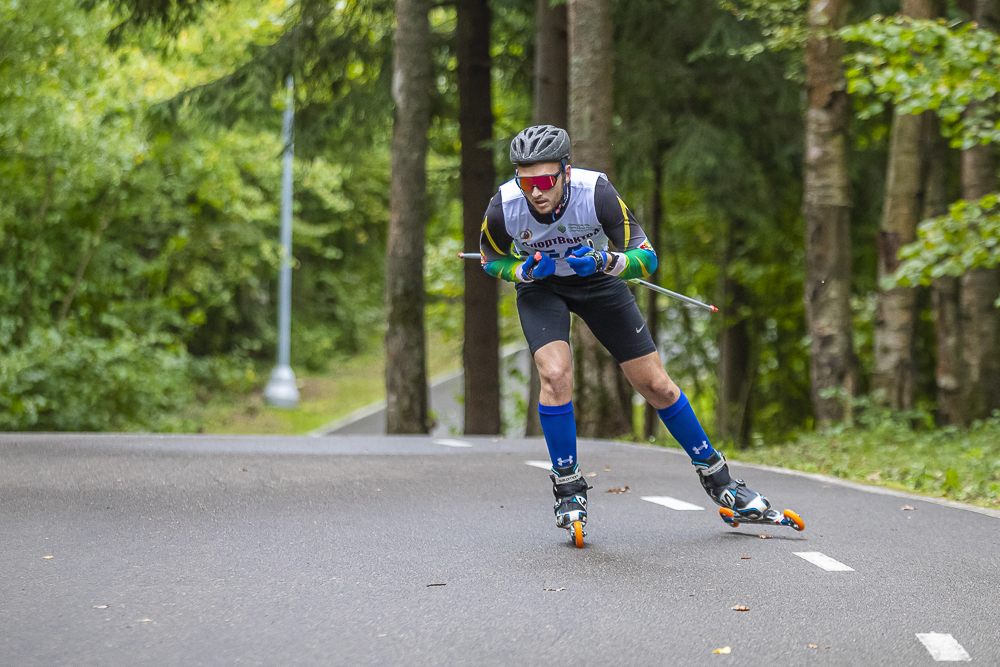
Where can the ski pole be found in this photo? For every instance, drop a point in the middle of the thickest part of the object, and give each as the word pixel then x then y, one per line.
pixel 680 297
pixel 655 288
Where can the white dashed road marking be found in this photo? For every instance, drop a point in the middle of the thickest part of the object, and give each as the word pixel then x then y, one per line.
pixel 544 465
pixel 672 503
pixel 943 647
pixel 452 443
pixel 823 561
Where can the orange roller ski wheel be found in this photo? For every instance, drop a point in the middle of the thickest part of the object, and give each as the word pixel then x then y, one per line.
pixel 796 521
pixel 578 534
pixel 728 515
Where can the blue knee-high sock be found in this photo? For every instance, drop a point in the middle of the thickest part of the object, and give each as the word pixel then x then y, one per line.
pixel 684 426
pixel 559 428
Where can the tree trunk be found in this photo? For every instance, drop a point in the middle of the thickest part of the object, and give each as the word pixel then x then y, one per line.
pixel 405 368
pixel 481 351
pixel 944 290
pixel 980 389
pixel 736 359
pixel 948 371
pixel 651 423
pixel 551 65
pixel 895 315
pixel 827 211
pixel 603 396
pixel 551 108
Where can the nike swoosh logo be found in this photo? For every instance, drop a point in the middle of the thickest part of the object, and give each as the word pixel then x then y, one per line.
pixel 641 328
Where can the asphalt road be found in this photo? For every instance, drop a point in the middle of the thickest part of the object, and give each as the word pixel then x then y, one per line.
pixel 202 550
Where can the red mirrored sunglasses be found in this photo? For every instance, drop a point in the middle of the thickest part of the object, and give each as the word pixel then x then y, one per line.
pixel 543 183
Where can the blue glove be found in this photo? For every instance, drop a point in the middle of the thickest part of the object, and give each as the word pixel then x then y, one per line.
pixel 536 266
pixel 587 261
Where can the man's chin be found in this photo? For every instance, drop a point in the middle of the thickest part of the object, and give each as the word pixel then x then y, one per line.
pixel 543 208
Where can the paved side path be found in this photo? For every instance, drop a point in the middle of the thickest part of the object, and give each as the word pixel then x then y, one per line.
pixel 202 550
pixel 446 399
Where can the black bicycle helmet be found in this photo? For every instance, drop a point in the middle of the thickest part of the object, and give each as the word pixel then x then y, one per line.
pixel 540 143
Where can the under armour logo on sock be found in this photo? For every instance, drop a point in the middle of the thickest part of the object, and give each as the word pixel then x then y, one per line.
pixel 564 462
pixel 704 445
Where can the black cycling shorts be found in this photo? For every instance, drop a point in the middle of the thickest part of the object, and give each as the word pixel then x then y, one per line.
pixel 603 302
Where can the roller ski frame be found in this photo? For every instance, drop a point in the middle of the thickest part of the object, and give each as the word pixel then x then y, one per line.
pixel 572 519
pixel 771 517
pixel 739 504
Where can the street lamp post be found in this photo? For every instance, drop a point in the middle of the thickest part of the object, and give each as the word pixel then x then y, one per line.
pixel 281 390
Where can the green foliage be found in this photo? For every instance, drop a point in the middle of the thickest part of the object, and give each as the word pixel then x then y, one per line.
pixel 783 26
pixel 920 65
pixel 65 381
pixel 728 134
pixel 967 237
pixel 952 70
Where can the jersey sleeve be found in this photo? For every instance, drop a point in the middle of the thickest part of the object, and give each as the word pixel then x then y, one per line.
pixel 495 243
pixel 637 258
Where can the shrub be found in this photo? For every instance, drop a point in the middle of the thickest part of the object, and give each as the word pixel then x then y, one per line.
pixel 59 381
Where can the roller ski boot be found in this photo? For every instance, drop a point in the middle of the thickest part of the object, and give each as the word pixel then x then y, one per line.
pixel 570 490
pixel 737 503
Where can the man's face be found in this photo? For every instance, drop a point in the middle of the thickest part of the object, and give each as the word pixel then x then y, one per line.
pixel 544 201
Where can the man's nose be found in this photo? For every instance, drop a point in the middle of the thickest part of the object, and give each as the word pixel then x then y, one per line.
pixel 535 188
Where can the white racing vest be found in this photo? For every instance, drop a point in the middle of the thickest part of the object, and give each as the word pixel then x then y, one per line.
pixel 577 225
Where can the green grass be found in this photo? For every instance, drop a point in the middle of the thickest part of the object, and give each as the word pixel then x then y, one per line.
pixel 348 384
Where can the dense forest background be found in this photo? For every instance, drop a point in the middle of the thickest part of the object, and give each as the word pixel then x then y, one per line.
pixel 823 171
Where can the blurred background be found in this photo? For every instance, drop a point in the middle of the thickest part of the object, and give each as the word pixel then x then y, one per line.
pixel 824 172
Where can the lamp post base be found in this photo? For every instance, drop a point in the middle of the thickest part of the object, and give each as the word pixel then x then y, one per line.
pixel 281 390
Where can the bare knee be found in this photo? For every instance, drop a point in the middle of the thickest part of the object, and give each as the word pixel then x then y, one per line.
pixel 662 392
pixel 556 379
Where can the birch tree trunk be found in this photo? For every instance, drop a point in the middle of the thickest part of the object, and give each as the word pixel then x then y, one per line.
pixel 895 314
pixel 406 368
pixel 603 396
pixel 944 290
pixel 980 387
pixel 827 212
pixel 979 288
pixel 481 349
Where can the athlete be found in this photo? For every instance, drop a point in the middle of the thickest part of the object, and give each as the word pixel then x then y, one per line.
pixel 567 240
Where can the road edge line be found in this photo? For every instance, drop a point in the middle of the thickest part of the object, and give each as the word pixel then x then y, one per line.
pixel 817 477
pixel 880 490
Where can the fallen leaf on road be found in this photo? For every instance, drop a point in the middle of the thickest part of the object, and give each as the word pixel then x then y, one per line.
pixel 908 507
pixel 621 489
pixel 100 606
pixel 745 557
pixel 723 650
pixel 811 646
pixel 145 620
pixel 48 557
pixel 554 590
pixel 429 585
pixel 763 536
pixel 591 474
pixel 607 468
pixel 244 470
pixel 740 607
